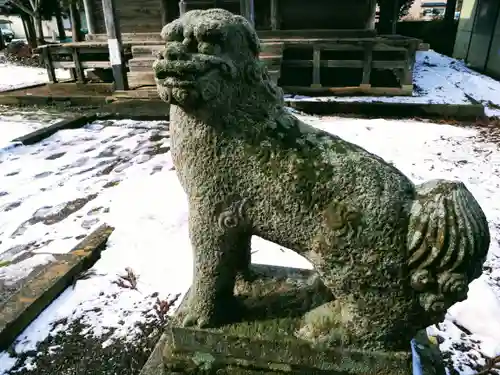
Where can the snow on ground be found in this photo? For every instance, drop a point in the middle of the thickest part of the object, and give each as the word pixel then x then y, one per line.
pixel 14 76
pixel 121 173
pixel 439 79
pixel 481 88
pixel 18 122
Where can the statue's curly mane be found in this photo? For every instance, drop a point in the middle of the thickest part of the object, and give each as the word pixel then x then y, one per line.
pixel 244 84
pixel 261 93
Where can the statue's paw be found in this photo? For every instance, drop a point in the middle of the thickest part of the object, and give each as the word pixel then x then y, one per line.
pixel 198 319
pixel 247 276
pixel 205 316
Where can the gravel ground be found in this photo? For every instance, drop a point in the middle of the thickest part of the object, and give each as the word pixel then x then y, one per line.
pixel 77 351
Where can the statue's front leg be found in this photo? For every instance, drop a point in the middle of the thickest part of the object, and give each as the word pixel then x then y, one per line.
pixel 244 258
pixel 212 299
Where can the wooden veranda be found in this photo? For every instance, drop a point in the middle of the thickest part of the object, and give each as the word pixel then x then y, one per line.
pixel 300 58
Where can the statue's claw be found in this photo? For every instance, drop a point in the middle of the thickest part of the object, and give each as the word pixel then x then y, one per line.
pixel 193 319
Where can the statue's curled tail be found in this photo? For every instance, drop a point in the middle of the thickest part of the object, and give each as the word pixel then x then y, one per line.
pixel 448 232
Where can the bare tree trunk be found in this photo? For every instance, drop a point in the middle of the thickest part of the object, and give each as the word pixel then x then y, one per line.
pixel 30 30
pixel 37 19
pixel 76 24
pixel 59 21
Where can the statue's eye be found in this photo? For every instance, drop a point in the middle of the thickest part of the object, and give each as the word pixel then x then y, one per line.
pixel 214 37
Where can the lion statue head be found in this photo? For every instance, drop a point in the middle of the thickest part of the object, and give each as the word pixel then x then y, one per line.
pixel 211 62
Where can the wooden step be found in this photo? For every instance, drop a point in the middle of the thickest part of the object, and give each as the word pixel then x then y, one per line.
pixel 142 93
pixel 272 48
pixel 141 64
pixel 138 79
pixel 147 50
pixel 140 38
pixel 275 75
pixel 271 60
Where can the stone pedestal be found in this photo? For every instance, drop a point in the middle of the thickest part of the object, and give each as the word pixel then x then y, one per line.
pixel 263 340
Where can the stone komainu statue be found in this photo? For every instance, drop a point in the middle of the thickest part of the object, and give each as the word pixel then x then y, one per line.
pixel 396 256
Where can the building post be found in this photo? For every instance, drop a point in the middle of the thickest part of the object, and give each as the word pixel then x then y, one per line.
pixel 274 15
pixel 88 7
pixel 164 12
pixel 114 44
pixel 395 16
pixel 182 7
pixel 247 10
pixel 251 12
pixel 372 13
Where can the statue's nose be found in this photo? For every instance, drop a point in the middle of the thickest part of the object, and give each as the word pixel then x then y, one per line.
pixel 176 51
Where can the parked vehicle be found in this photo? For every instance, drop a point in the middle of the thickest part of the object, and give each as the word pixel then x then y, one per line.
pixel 7 34
pixel 6 31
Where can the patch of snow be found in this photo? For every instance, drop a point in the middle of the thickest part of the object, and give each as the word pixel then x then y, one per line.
pixel 15 77
pixel 116 170
pixel 481 88
pixel 9 130
pixel 14 124
pixel 15 272
pixel 6 362
pixel 484 322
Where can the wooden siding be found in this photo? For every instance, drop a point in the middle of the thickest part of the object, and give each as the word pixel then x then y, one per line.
pixel 144 16
pixel 135 16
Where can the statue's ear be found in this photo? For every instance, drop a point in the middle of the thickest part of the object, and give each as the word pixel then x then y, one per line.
pixel 250 35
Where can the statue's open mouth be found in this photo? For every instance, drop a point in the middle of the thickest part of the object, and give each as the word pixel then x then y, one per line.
pixel 185 73
pixel 179 77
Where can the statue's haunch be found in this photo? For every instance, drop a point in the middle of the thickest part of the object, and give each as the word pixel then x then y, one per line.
pixel 396 256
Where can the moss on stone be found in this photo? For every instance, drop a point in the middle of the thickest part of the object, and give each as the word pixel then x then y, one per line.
pixel 366 228
pixel 264 340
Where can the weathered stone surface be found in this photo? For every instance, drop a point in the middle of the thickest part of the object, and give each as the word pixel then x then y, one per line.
pixel 264 340
pixel 394 255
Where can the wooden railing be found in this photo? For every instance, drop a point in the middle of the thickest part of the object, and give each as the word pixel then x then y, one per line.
pixel 77 57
